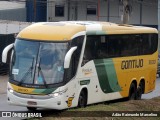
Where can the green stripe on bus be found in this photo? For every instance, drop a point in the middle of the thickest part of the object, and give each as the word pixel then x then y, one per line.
pixel 111 74
pixel 96 32
pixel 48 91
pixel 107 75
pixel 44 91
pixel 100 33
pixel 102 76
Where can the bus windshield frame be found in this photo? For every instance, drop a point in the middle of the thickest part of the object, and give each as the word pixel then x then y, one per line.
pixel 38 64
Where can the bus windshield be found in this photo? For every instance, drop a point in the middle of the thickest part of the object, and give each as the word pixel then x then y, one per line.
pixel 39 63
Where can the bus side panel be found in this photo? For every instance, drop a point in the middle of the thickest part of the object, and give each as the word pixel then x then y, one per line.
pixel 111 77
pixel 152 62
pixel 108 79
pixel 99 88
pixel 107 75
pixel 88 73
pixel 127 72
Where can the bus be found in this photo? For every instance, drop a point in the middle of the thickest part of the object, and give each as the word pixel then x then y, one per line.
pixel 66 64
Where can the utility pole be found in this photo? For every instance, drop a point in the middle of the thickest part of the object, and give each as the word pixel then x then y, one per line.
pixel 69 6
pixel 126 12
pixel 98 14
pixel 76 10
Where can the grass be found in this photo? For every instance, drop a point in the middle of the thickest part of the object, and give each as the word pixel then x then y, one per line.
pixel 116 106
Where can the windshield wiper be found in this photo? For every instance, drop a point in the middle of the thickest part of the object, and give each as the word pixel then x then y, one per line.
pixel 27 73
pixel 40 71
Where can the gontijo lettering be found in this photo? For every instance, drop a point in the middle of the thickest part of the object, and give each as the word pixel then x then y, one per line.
pixel 131 64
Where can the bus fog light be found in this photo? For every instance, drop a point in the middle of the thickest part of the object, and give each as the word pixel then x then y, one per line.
pixel 59 103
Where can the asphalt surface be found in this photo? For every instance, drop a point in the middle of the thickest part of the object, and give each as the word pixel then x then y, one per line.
pixel 154 93
pixel 5 107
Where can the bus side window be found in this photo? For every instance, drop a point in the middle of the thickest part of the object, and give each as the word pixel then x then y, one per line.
pixel 91 49
pixel 78 41
pixel 154 42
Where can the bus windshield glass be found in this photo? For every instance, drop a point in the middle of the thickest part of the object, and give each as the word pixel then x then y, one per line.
pixel 39 63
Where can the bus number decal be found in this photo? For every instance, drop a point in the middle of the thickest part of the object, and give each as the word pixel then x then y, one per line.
pixel 130 64
pixel 152 62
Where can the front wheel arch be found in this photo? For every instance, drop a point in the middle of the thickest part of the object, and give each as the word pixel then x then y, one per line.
pixel 83 98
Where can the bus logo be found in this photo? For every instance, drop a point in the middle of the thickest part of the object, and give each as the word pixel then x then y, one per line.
pixel 69 102
pixel 87 71
pixel 131 64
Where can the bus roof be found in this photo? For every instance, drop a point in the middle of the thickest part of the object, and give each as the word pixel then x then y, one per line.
pixel 66 30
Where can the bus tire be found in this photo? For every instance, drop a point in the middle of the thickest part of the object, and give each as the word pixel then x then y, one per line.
pixel 158 74
pixel 132 92
pixel 82 101
pixel 138 93
pixel 140 90
pixel 31 108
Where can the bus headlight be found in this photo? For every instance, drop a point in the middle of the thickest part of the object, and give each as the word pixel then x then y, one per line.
pixel 54 94
pixel 58 93
pixel 10 90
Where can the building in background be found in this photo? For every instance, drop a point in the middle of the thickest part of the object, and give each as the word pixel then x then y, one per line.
pixel 36 10
pixel 142 12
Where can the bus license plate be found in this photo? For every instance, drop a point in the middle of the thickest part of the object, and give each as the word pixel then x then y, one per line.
pixel 31 103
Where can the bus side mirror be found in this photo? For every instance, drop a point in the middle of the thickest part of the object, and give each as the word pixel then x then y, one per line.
pixel 68 57
pixel 5 52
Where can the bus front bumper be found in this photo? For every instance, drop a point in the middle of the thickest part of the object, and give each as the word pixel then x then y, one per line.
pixel 51 103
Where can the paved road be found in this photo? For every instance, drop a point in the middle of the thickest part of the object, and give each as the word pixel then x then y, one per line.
pixel 154 93
pixel 5 107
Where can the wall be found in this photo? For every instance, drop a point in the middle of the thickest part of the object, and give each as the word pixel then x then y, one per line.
pixel 51 10
pixel 36 10
pixel 11 10
pixel 149 14
pixel 110 10
pixel 13 14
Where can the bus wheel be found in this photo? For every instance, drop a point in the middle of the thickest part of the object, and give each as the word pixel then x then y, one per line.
pixel 132 92
pixel 31 108
pixel 140 90
pixel 158 74
pixel 82 102
pixel 138 93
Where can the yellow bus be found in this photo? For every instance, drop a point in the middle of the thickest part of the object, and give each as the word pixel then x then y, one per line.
pixel 66 64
